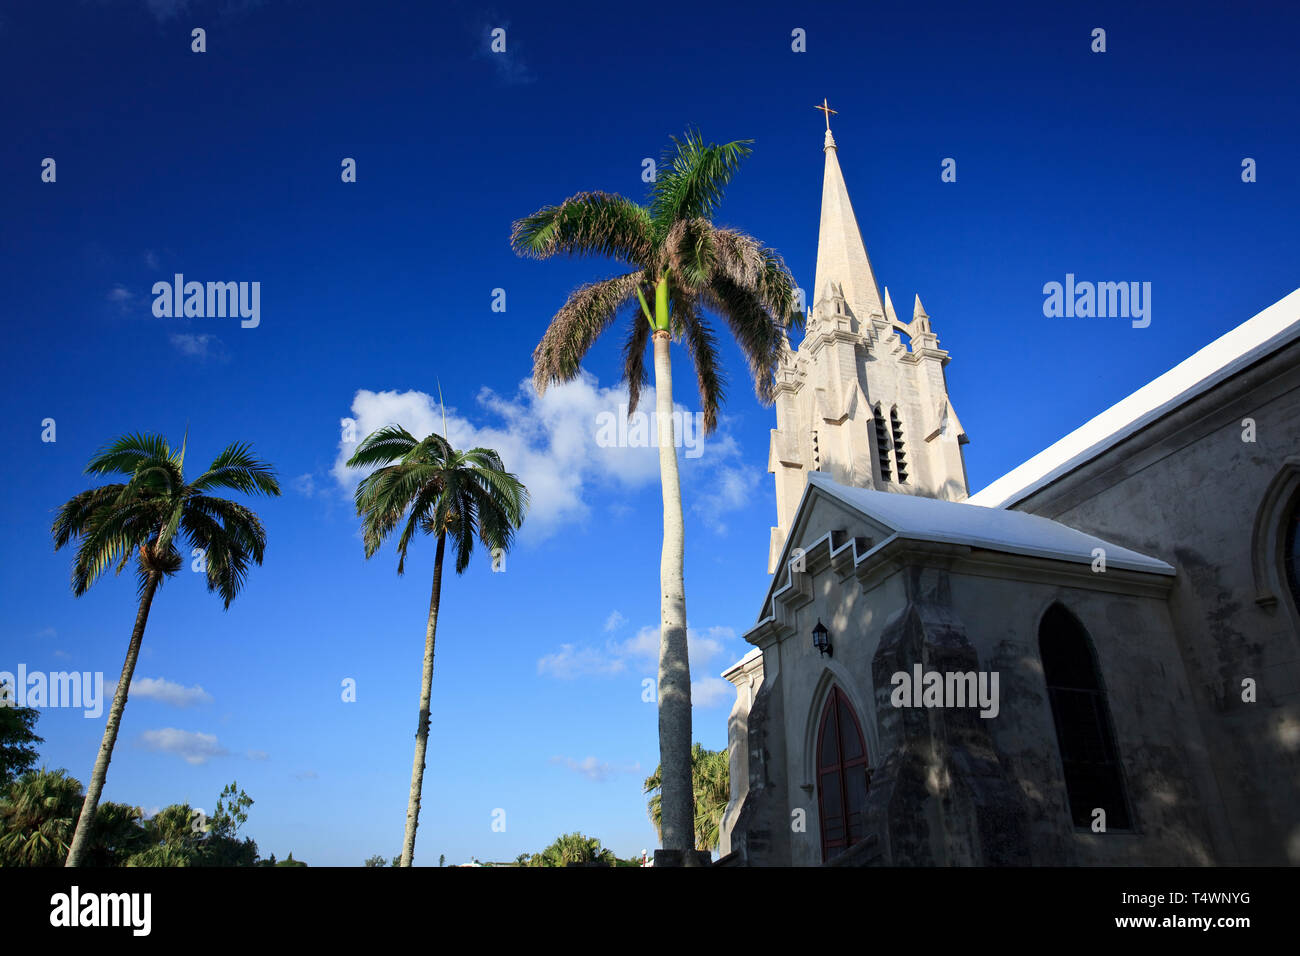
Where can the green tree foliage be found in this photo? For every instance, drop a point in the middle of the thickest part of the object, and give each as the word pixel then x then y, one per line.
pixel 572 849
pixel 711 779
pixel 17 737
pixel 38 815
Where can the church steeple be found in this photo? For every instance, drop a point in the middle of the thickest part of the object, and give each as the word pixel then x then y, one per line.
pixel 841 255
pixel 863 398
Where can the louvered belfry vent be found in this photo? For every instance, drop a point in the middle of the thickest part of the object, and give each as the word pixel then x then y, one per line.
pixel 882 447
pixel 900 453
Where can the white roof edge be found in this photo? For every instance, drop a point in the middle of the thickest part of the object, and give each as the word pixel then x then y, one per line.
pixel 1146 564
pixel 826 485
pixel 1229 353
pixel 749 656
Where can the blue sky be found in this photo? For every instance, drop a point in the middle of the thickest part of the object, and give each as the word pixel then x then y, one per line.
pixel 225 165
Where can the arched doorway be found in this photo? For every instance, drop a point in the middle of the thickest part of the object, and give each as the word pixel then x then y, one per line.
pixel 843 775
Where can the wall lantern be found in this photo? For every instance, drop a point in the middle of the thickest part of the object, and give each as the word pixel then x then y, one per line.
pixel 822 639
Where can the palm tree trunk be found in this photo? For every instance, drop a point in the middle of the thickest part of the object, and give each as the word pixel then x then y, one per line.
pixel 81 838
pixel 422 729
pixel 678 802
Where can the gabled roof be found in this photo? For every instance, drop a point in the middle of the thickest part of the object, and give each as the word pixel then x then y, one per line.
pixel 1254 339
pixel 992 529
pixel 952 522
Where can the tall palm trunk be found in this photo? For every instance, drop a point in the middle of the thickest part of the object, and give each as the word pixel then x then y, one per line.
pixel 677 797
pixel 81 838
pixel 422 729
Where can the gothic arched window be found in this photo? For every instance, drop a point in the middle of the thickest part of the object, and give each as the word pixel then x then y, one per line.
pixel 1083 729
pixel 900 456
pixel 882 446
pixel 842 776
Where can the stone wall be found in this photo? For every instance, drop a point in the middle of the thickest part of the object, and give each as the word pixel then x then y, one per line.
pixel 1190 490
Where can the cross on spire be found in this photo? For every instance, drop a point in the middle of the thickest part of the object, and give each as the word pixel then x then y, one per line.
pixel 825 108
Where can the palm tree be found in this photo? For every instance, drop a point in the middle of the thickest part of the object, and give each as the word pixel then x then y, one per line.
pixel 689 266
pixel 119 833
pixel 445 492
pixel 37 815
pixel 142 518
pixel 711 787
pixel 571 848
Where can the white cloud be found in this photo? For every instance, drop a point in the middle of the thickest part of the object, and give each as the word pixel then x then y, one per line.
pixel 570 662
pixel 151 259
pixel 164 10
pixel 731 488
pixel 194 747
pixel 166 692
pixel 701 646
pixel 306 775
pixel 553 444
pixel 202 346
pixel 594 769
pixel 639 652
pixel 122 297
pixel 305 485
pixel 258 755
pixel 711 691
pixel 549 441
pixel 614 621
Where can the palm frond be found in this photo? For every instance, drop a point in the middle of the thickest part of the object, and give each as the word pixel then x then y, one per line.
pixel 750 265
pixel 112 534
pixel 142 518
pixel 72 517
pixel 230 545
pixel 634 372
pixel 123 455
pixel 382 447
pixel 588 312
pixel 703 346
pixel 692 178
pixel 691 254
pixel 237 469
pixel 590 223
pixel 755 331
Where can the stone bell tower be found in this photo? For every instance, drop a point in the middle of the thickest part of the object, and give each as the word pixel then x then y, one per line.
pixel 855 400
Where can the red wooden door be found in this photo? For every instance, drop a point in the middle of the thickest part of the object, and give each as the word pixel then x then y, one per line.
pixel 842 776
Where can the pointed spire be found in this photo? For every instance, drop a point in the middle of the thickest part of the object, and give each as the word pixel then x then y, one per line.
pixel 918 310
pixel 890 314
pixel 786 358
pixel 841 256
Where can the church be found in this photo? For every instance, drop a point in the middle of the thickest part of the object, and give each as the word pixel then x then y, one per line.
pixel 1093 661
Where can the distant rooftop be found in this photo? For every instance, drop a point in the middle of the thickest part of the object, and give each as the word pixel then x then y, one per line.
pixel 1247 343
